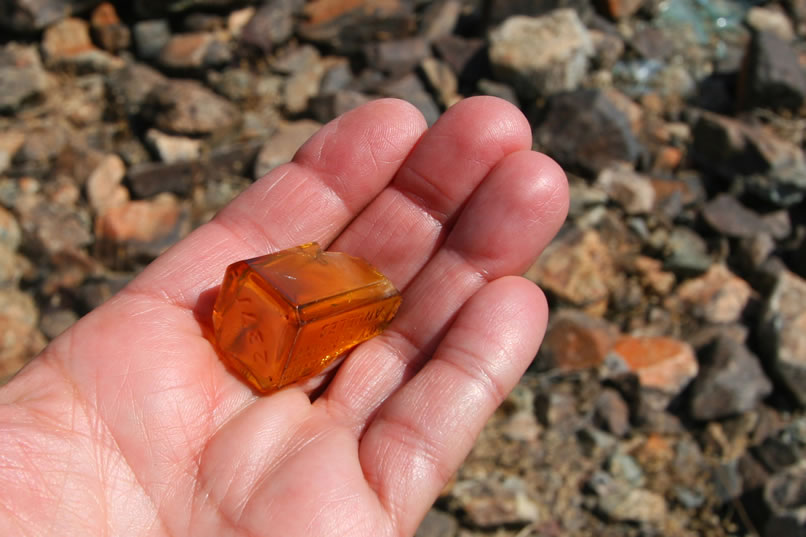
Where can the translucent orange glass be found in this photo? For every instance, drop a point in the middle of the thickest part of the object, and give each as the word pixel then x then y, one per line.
pixel 285 317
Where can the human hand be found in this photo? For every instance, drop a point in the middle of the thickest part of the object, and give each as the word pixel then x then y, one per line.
pixel 129 424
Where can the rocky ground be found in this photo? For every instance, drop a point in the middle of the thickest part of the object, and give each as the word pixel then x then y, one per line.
pixel 668 397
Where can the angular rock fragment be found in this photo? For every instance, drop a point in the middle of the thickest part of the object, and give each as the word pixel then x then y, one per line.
pixel 543 55
pixel 575 340
pixel 730 381
pixel 186 107
pixel 729 217
pixel 67 44
pixel 718 296
pixel 585 131
pixel 108 30
pixel 21 76
pixel 771 75
pixel 271 25
pixel 150 36
pixel 632 191
pixel 282 145
pixel 412 90
pixel 783 332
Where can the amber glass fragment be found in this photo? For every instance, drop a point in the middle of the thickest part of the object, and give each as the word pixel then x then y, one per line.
pixel 285 317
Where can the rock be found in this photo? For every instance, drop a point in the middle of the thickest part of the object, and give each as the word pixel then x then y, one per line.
pixel 306 69
pixel 440 18
pixel 10 232
pixel 620 9
pixel 771 74
pixel 783 332
pixel 729 217
pixel 495 501
pixel 337 76
pixel 578 269
pixel 129 87
pixel 280 148
pixel 718 296
pixel 12 267
pixel 97 290
pixel 173 149
pixel 663 365
pixel 344 26
pixel 612 413
pixel 107 29
pixel 186 107
pixel 67 43
pixel 467 57
pixel 150 36
pixel 150 178
pixel 22 78
pixel 396 57
pixel 574 341
pixel 557 410
pixel 585 131
pixel 412 90
pixel 626 469
pixel 770 20
pixel 558 64
pixel 621 502
pixel 607 48
pixel 19 338
pixel 31 15
pixel 652 275
pixel 437 524
pixel 271 25
pixel 54 228
pixel 632 191
pixel 730 381
pixel 193 51
pixel 497 89
pixel 331 105
pixel 55 322
pixel 104 188
pixel 138 231
pixel 783 495
pixel 685 252
pixel 441 81
pixel 10 142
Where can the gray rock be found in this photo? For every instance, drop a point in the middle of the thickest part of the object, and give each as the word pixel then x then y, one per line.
pixel 783 332
pixel 396 57
pixel 440 18
pixel 30 15
pixel 625 468
pixel 784 448
pixel 271 25
pixel 150 36
pixel 772 75
pixel 282 145
pixel 730 381
pixel 622 502
pixel 21 76
pixel 495 501
pixel 771 168
pixel 186 107
pixel 57 321
pixel 612 412
pixel 467 57
pixel 498 89
pixel 729 217
pixel 54 228
pixel 10 232
pixel 632 191
pixel 331 105
pixel 338 76
pixel 784 496
pixel 412 90
pixel 585 131
pixel 129 87
pixel 686 253
pixel 150 178
pixel 543 55
pixel 437 524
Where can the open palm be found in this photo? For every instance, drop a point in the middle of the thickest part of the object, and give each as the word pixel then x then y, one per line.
pixel 129 424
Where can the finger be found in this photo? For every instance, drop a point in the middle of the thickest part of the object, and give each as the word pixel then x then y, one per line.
pixel 512 216
pixel 403 227
pixel 423 432
pixel 331 179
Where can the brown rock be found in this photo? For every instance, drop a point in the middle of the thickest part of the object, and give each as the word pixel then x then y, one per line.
pixel 22 78
pixel 575 340
pixel 578 268
pixel 54 228
pixel 280 148
pixel 187 51
pixel 109 32
pixel 68 43
pixel 663 364
pixel 19 338
pixel 187 107
pixel 55 322
pixel 104 188
pixel 653 276
pixel 140 229
pixel 718 296
pixel 620 9
pixel 729 217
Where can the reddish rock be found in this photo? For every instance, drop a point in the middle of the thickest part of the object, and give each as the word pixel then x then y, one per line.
pixel 619 9
pixel 663 364
pixel 578 268
pixel 652 275
pixel 576 341
pixel 718 296
pixel 186 51
pixel 140 230
pixel 68 43
pixel 107 29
